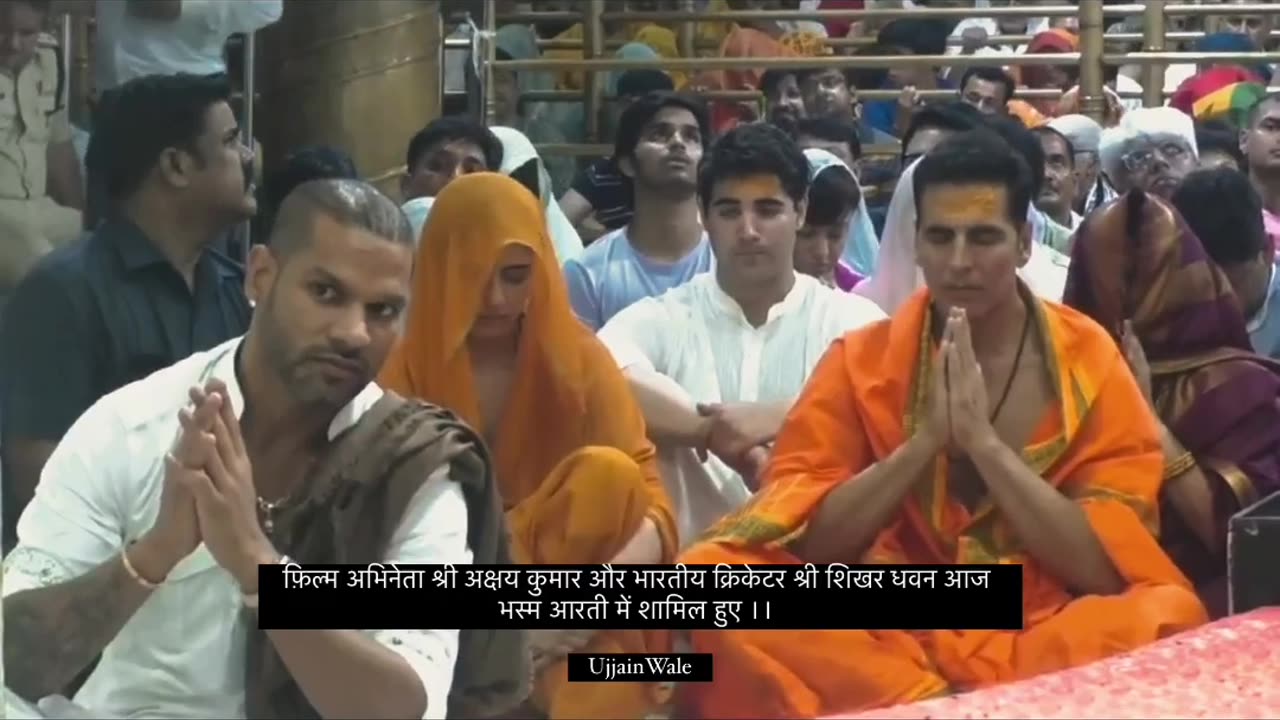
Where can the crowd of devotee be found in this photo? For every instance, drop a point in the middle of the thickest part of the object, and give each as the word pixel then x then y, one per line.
pixel 1027 336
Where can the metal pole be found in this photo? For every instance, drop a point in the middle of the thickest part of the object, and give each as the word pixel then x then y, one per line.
pixel 248 88
pixel 688 32
pixel 1153 41
pixel 249 84
pixel 488 51
pixel 1093 101
pixel 613 64
pixel 65 40
pixel 64 30
pixel 592 48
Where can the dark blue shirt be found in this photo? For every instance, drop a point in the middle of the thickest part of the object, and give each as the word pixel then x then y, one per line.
pixel 100 313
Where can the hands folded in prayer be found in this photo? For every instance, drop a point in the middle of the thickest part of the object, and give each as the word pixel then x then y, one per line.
pixel 1137 359
pixel 958 414
pixel 208 495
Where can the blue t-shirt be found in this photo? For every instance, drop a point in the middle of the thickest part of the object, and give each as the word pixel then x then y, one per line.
pixel 883 114
pixel 610 275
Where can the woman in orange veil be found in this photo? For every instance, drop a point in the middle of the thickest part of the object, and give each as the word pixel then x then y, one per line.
pixel 490 335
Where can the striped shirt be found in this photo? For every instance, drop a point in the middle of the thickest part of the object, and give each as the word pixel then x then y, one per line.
pixel 608 191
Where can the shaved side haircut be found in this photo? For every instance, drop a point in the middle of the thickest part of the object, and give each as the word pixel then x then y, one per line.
pixel 353 203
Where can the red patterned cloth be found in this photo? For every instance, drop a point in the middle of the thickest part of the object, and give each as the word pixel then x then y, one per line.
pixel 1226 669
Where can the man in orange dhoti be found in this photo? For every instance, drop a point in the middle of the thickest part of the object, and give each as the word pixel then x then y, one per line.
pixel 977 425
pixel 490 335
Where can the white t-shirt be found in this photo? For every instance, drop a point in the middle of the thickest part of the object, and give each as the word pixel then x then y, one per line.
pixel 129 47
pixel 697 336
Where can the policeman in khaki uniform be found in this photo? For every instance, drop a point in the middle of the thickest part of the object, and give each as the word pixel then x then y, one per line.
pixel 41 191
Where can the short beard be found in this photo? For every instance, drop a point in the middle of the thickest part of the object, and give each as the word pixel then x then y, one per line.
pixel 282 355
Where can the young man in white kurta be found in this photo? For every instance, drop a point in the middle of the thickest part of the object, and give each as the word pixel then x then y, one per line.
pixel 698 337
pixel 699 344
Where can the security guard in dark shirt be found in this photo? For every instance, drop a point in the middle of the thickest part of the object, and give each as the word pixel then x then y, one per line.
pixel 142 291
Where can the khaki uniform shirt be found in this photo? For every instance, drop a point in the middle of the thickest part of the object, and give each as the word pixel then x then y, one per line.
pixel 33 115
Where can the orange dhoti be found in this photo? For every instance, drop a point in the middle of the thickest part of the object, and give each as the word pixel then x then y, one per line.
pixel 1098 445
pixel 585 512
pixel 811 673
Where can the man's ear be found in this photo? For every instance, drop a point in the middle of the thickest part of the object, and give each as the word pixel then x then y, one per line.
pixel 260 273
pixel 626 167
pixel 1024 244
pixel 802 209
pixel 175 167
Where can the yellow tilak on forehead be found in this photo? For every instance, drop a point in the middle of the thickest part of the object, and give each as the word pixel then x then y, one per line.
pixel 969 202
pixel 754 186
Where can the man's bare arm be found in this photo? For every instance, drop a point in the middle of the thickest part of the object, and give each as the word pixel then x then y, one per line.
pixel 575 207
pixel 53 633
pixel 1053 527
pixel 765 422
pixel 163 10
pixel 581 215
pixel 345 673
pixel 670 415
pixel 851 516
pixel 590 229
pixel 1191 494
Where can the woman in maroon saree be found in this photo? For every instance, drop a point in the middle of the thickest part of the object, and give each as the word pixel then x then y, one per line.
pixel 1140 272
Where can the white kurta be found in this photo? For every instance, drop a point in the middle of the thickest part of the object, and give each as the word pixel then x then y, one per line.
pixel 182 655
pixel 697 336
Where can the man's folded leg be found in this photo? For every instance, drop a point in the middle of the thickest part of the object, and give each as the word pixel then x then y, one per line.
pixel 808 673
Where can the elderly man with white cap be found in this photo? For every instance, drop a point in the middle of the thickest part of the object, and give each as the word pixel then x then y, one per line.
pixel 1152 149
pixel 1085 135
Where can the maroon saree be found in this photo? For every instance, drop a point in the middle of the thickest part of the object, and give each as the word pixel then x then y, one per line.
pixel 1136 259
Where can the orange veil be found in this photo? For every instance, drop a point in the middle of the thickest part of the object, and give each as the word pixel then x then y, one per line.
pixel 471 222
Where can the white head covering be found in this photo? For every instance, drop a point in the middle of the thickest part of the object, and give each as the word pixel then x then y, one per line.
pixel 1151 122
pixel 897 276
pixel 1083 131
pixel 417 211
pixel 516 151
pixel 862 245
pixel 1086 136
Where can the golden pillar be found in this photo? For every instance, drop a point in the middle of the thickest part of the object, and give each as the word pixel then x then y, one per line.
pixel 361 76
pixel 1093 101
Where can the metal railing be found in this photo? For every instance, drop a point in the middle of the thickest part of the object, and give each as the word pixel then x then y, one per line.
pixel 1091 59
pixel 597 15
